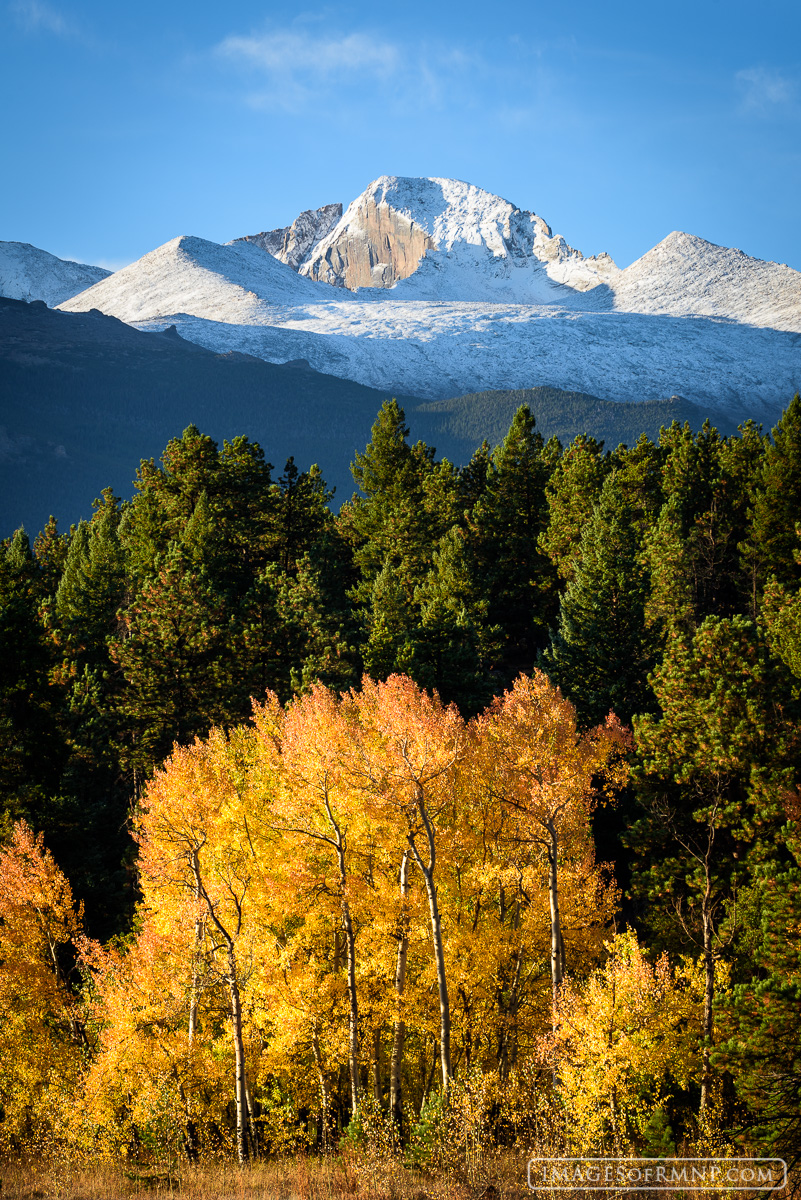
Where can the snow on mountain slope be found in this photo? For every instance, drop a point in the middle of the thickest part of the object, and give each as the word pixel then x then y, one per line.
pixel 687 276
pixel 444 239
pixel 28 273
pixel 238 283
pixel 435 350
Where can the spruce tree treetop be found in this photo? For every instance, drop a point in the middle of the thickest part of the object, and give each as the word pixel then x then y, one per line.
pixel 601 652
pixel 777 507
pixel 512 579
pixel 408 502
pixel 572 490
pixel 386 460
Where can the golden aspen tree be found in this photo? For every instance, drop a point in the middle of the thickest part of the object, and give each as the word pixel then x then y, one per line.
pixel 543 772
pixel 316 804
pixel 416 744
pixel 621 1039
pixel 158 1068
pixel 42 1030
pixel 194 843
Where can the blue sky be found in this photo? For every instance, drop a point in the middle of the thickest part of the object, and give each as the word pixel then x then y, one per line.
pixel 127 124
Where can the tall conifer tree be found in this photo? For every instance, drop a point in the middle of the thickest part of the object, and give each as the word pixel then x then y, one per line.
pixel 600 653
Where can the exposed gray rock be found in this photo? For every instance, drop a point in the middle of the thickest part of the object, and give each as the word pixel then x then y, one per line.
pixel 295 242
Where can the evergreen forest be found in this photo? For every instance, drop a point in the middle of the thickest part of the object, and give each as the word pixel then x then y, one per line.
pixel 466 816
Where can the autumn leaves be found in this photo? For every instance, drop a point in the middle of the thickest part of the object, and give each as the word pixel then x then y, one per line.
pixel 363 888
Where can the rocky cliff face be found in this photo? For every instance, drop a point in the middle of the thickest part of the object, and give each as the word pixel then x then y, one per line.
pixel 294 243
pixel 374 247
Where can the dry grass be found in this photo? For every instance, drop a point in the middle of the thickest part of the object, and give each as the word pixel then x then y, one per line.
pixel 340 1177
pixel 336 1177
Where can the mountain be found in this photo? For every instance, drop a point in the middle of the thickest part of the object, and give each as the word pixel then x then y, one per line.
pixel 445 240
pixel 434 288
pixel 441 239
pixel 27 273
pixel 86 396
pixel 236 283
pixel 687 276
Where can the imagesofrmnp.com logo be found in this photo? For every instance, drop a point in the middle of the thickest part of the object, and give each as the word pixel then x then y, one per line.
pixel 658 1174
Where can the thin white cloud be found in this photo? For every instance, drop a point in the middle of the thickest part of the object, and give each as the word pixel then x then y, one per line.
pixel 297 67
pixel 289 52
pixel 35 16
pixel 765 90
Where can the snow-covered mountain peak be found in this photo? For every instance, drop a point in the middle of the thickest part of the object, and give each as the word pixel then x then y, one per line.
pixel 685 274
pixel 438 231
pixel 197 277
pixel 442 287
pixel 28 273
pixel 448 210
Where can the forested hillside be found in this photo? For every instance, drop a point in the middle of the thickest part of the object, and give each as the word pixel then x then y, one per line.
pixel 484 791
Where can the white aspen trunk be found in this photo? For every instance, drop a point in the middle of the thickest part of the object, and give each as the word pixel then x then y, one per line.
pixel 377 1066
pixel 253 1133
pixel 353 1007
pixel 324 1101
pixel 557 942
pixel 709 997
pixel 350 952
pixel 193 997
pixel 240 1088
pixel 439 950
pixel 231 977
pixel 399 1028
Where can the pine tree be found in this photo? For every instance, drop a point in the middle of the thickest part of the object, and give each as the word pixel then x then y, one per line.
pixel 32 749
pixel 50 550
pixel 408 502
pixel 84 620
pixel 694 549
pixel 601 653
pixel 174 654
pixel 639 471
pixel 572 493
pixel 92 586
pixel 761 1014
pixel 771 542
pixel 454 645
pixel 512 579
pixel 711 768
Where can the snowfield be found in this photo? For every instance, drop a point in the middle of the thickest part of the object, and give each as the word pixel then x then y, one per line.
pixel 434 287
pixel 440 350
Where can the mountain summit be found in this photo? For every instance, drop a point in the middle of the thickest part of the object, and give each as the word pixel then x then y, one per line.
pixel 458 241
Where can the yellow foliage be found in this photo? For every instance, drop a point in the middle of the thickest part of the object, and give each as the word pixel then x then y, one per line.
pixel 622 1041
pixel 41 1026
